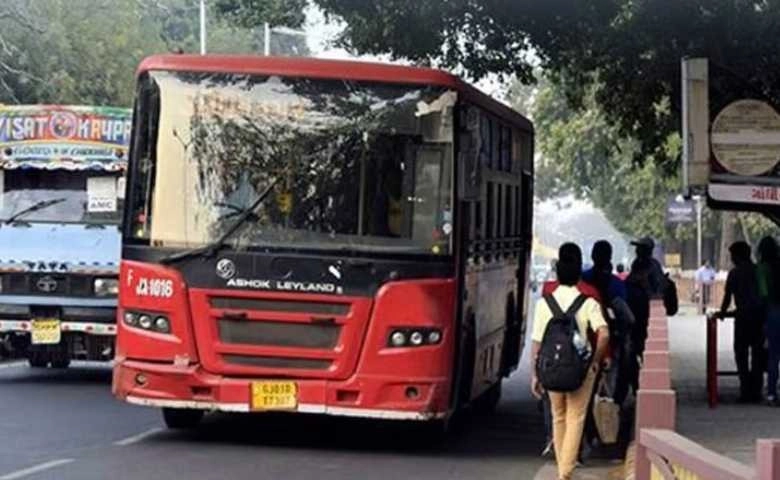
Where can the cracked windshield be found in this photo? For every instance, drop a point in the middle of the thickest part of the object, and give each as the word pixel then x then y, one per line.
pixel 349 165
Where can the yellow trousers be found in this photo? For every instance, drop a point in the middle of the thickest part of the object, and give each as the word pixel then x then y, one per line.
pixel 568 413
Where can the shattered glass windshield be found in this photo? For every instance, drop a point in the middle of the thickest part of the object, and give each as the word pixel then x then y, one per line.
pixel 359 165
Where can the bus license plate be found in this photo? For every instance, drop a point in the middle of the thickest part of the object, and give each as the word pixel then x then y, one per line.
pixel 45 331
pixel 274 395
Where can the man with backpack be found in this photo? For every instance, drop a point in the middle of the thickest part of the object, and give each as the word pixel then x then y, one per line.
pixel 566 361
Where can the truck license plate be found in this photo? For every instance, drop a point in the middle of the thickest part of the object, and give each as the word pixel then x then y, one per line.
pixel 46 331
pixel 269 395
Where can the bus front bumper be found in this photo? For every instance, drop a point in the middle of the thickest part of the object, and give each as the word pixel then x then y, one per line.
pixel 189 386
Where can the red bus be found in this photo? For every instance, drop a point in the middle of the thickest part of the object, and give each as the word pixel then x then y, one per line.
pixel 319 236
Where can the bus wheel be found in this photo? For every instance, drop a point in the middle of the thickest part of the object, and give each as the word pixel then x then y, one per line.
pixel 489 400
pixel 38 360
pixel 62 362
pixel 182 418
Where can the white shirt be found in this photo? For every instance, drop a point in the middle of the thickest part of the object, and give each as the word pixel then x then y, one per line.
pixel 705 275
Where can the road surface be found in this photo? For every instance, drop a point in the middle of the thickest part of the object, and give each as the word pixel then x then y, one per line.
pixel 64 424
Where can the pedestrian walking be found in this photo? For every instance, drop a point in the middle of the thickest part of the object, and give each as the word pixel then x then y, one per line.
pixel 645 282
pixel 742 286
pixel 705 278
pixel 569 408
pixel 768 269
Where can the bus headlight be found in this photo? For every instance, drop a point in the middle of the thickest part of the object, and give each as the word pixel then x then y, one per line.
pixel 414 337
pixel 106 287
pixel 147 321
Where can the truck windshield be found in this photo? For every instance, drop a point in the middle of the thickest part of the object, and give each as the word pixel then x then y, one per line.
pixel 361 166
pixel 59 196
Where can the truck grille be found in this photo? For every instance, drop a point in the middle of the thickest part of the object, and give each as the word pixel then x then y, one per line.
pixel 21 283
pixel 279 334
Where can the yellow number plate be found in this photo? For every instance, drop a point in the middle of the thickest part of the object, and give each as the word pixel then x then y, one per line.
pixel 274 395
pixel 46 331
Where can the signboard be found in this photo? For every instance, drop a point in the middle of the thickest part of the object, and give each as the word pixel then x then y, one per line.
pixel 680 212
pixel 73 138
pixel 673 260
pixel 745 138
pixel 101 194
pixel 752 194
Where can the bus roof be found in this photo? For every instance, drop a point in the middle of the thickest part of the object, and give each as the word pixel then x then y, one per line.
pixel 332 69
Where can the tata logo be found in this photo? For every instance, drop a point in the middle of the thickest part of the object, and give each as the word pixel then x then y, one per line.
pixel 46 284
pixel 226 269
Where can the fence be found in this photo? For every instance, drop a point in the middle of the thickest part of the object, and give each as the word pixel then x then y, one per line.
pixel 663 454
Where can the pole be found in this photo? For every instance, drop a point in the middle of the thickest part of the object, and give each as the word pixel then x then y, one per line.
pixel 267 36
pixel 202 27
pixel 702 287
pixel 698 231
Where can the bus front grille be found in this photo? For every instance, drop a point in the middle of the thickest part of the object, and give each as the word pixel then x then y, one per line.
pixel 248 333
pixel 278 334
pixel 278 362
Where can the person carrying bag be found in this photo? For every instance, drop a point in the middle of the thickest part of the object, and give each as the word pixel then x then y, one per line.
pixel 560 373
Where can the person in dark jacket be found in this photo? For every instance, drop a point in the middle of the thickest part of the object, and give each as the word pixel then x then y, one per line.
pixel 769 288
pixel 742 286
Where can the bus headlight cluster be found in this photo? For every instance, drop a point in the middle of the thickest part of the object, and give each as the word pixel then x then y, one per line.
pixel 106 287
pixel 148 321
pixel 414 337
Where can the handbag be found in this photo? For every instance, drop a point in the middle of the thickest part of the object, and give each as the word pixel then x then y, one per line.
pixel 606 413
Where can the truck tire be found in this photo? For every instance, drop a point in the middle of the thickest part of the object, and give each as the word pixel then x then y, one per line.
pixel 182 418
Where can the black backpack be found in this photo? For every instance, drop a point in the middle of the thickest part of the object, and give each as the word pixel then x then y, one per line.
pixel 560 366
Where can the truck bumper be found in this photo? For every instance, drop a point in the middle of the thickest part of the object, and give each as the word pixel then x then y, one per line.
pixel 189 386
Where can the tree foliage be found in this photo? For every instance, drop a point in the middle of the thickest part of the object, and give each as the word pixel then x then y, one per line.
pixel 86 51
pixel 253 13
pixel 625 53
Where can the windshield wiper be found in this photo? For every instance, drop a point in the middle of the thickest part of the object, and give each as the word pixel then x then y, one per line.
pixel 40 205
pixel 212 248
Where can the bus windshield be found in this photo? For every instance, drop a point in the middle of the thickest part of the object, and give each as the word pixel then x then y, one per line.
pixel 354 166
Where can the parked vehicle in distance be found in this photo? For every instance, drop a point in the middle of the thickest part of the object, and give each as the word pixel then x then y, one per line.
pixel 61 194
pixel 322 237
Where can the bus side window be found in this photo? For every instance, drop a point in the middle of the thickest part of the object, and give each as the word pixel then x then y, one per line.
pixel 508 209
pixel 500 206
pixel 490 215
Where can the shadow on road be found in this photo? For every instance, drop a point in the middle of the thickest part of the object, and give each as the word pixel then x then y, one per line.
pixel 514 430
pixel 24 375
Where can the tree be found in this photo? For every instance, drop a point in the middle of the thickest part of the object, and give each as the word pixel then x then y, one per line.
pixel 86 51
pixel 626 53
pixel 254 13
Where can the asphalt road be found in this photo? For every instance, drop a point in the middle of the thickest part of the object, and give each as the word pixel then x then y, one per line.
pixel 64 424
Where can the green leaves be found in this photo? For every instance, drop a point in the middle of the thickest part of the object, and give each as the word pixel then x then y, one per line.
pixel 625 53
pixel 253 13
pixel 87 51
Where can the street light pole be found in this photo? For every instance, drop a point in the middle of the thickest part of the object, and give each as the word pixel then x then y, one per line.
pixel 267 37
pixel 702 287
pixel 698 231
pixel 202 27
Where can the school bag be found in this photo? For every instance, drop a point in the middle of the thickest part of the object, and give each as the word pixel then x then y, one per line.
pixel 564 355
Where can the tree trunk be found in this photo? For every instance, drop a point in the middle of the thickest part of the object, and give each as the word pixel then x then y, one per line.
pixel 728 235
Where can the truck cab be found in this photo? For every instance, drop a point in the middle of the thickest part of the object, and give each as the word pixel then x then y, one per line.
pixel 61 198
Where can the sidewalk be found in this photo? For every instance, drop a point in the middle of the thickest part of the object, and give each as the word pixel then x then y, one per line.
pixel 730 429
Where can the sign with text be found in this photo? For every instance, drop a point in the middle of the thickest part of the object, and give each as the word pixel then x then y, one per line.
pixel 746 138
pixel 680 211
pixel 53 136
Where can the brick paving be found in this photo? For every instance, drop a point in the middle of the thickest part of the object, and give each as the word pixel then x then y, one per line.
pixel 731 429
